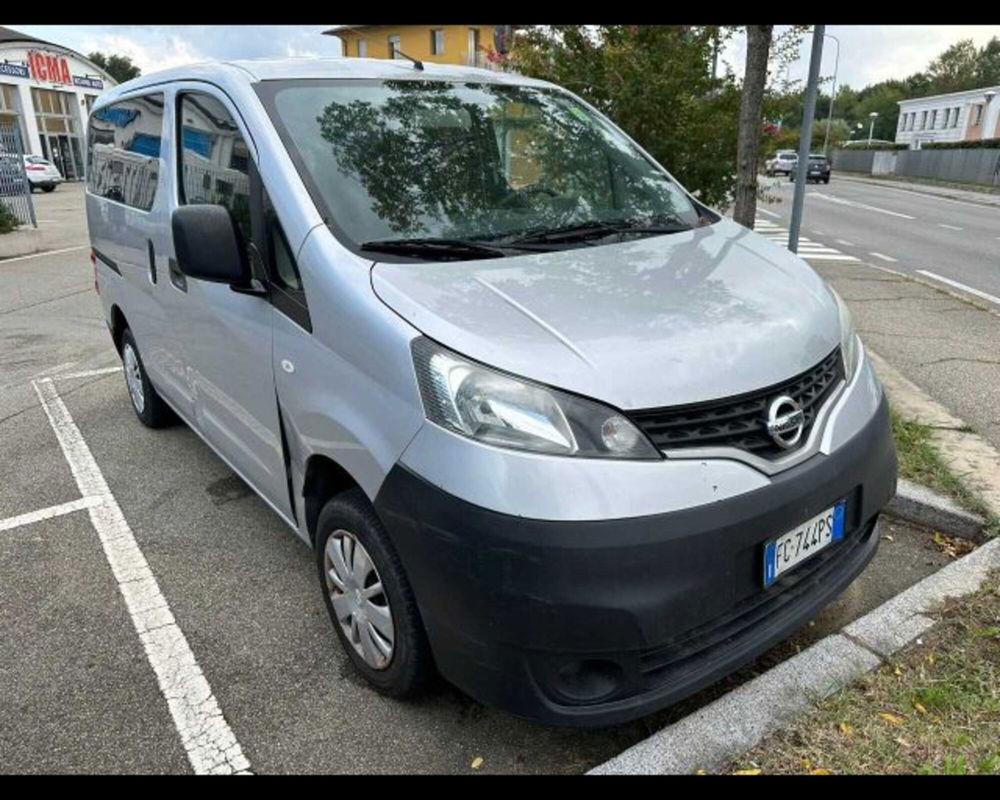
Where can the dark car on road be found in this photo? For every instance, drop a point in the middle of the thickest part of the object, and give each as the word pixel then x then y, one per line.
pixel 818 169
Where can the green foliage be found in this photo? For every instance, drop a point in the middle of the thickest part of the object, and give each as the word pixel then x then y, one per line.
pixel 8 220
pixel 971 144
pixel 118 67
pixel 655 82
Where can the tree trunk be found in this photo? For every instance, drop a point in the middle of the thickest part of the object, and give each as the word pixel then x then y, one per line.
pixel 751 122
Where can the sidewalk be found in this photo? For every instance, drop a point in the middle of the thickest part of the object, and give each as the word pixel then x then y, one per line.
pixel 947 345
pixel 952 193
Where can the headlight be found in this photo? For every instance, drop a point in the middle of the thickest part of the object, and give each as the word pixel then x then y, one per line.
pixel 848 338
pixel 492 407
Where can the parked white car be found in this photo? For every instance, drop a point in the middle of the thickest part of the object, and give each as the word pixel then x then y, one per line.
pixel 784 161
pixel 42 174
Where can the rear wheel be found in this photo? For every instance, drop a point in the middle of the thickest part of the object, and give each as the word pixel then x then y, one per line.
pixel 48 188
pixel 147 404
pixel 369 599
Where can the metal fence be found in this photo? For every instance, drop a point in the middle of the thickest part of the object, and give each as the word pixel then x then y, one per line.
pixel 15 191
pixel 980 165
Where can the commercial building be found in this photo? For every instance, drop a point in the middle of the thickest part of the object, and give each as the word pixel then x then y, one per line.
pixel 46 93
pixel 468 45
pixel 953 117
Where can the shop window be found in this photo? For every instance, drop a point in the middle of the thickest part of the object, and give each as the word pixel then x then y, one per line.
pixel 123 150
pixel 437 42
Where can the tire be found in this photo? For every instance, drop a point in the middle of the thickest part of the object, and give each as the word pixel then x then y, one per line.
pixel 48 188
pixel 147 404
pixel 826 179
pixel 346 521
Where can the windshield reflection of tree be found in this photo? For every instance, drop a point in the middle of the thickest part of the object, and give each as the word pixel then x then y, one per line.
pixel 440 162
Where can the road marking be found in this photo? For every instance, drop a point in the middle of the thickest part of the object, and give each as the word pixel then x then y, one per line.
pixel 949 227
pixel 769 213
pixel 87 373
pixel 884 258
pixel 828 257
pixel 807 248
pixel 45 253
pixel 819 233
pixel 962 286
pixel 845 242
pixel 210 744
pixel 933 195
pixel 856 204
pixel 48 513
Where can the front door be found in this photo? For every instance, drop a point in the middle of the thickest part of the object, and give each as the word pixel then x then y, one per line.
pixel 225 335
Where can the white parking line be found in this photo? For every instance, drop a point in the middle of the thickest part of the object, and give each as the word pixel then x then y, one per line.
pixel 44 253
pixel 962 286
pixel 949 227
pixel 856 204
pixel 210 744
pixel 48 513
pixel 884 258
pixel 87 373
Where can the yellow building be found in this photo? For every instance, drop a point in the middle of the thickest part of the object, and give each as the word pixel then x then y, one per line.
pixel 443 44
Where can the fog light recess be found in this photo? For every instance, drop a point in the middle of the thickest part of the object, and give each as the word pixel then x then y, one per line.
pixel 588 681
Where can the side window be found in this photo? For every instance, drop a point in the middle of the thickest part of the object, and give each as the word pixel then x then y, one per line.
pixel 123 151
pixel 287 292
pixel 214 162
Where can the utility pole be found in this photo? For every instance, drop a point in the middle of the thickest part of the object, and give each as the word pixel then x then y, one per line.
pixel 833 95
pixel 805 142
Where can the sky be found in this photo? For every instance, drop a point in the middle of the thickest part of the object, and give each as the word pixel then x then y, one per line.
pixel 869 53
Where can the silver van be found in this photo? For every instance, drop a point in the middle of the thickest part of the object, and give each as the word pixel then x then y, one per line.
pixel 556 431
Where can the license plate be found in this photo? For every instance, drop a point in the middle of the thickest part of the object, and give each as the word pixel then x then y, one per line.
pixel 805 541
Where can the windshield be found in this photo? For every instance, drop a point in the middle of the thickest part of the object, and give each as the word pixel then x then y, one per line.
pixel 393 160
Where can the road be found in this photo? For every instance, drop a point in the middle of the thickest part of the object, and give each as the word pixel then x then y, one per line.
pixel 80 689
pixel 900 229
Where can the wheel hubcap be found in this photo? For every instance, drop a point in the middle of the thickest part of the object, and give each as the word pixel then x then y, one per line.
pixel 133 377
pixel 358 598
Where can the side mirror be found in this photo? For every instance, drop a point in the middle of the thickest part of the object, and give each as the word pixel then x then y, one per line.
pixel 209 245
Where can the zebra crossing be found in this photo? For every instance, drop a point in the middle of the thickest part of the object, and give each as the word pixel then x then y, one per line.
pixel 808 249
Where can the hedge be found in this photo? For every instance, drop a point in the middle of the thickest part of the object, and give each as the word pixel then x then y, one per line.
pixel 8 219
pixel 966 144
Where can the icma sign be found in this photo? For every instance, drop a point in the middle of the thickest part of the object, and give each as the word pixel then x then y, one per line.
pixel 49 67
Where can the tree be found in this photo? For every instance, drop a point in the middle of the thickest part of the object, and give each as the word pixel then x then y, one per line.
pixel 955 69
pixel 988 66
pixel 751 121
pixel 655 82
pixel 118 67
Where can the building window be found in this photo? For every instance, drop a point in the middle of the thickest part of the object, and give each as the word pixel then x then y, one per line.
pixel 923 120
pixel 437 42
pixel 473 55
pixel 362 48
pixel 978 117
pixel 954 122
pixel 933 119
pixel 394 47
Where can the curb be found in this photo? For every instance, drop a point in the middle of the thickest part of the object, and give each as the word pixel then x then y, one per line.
pixel 20 243
pixel 926 507
pixel 725 729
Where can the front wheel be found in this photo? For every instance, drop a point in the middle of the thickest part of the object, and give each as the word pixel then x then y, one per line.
pixel 48 188
pixel 369 599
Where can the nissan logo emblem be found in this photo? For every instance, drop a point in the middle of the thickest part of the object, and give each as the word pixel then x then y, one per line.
pixel 785 421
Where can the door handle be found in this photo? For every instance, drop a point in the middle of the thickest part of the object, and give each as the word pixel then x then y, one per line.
pixel 176 276
pixel 152 261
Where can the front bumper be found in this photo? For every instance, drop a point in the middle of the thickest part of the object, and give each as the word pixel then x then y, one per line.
pixel 599 622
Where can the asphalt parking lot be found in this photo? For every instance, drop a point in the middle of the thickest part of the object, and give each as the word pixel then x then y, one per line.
pixel 112 534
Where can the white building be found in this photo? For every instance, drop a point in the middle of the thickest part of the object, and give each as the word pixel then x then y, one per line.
pixel 953 117
pixel 46 92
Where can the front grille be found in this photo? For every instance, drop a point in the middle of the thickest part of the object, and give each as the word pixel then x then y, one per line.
pixel 741 421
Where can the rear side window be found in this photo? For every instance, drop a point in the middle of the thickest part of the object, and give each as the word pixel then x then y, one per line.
pixel 123 151
pixel 214 162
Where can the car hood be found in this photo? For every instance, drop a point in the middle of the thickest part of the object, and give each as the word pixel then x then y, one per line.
pixel 680 318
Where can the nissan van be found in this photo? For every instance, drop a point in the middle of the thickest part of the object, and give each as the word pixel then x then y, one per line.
pixel 556 431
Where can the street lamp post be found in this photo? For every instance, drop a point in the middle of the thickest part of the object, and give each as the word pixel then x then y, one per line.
pixel 833 92
pixel 872 126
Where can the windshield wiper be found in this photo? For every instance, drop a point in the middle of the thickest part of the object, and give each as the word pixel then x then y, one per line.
pixel 443 249
pixel 594 229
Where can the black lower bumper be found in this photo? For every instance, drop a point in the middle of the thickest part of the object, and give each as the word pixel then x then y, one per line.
pixel 599 622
